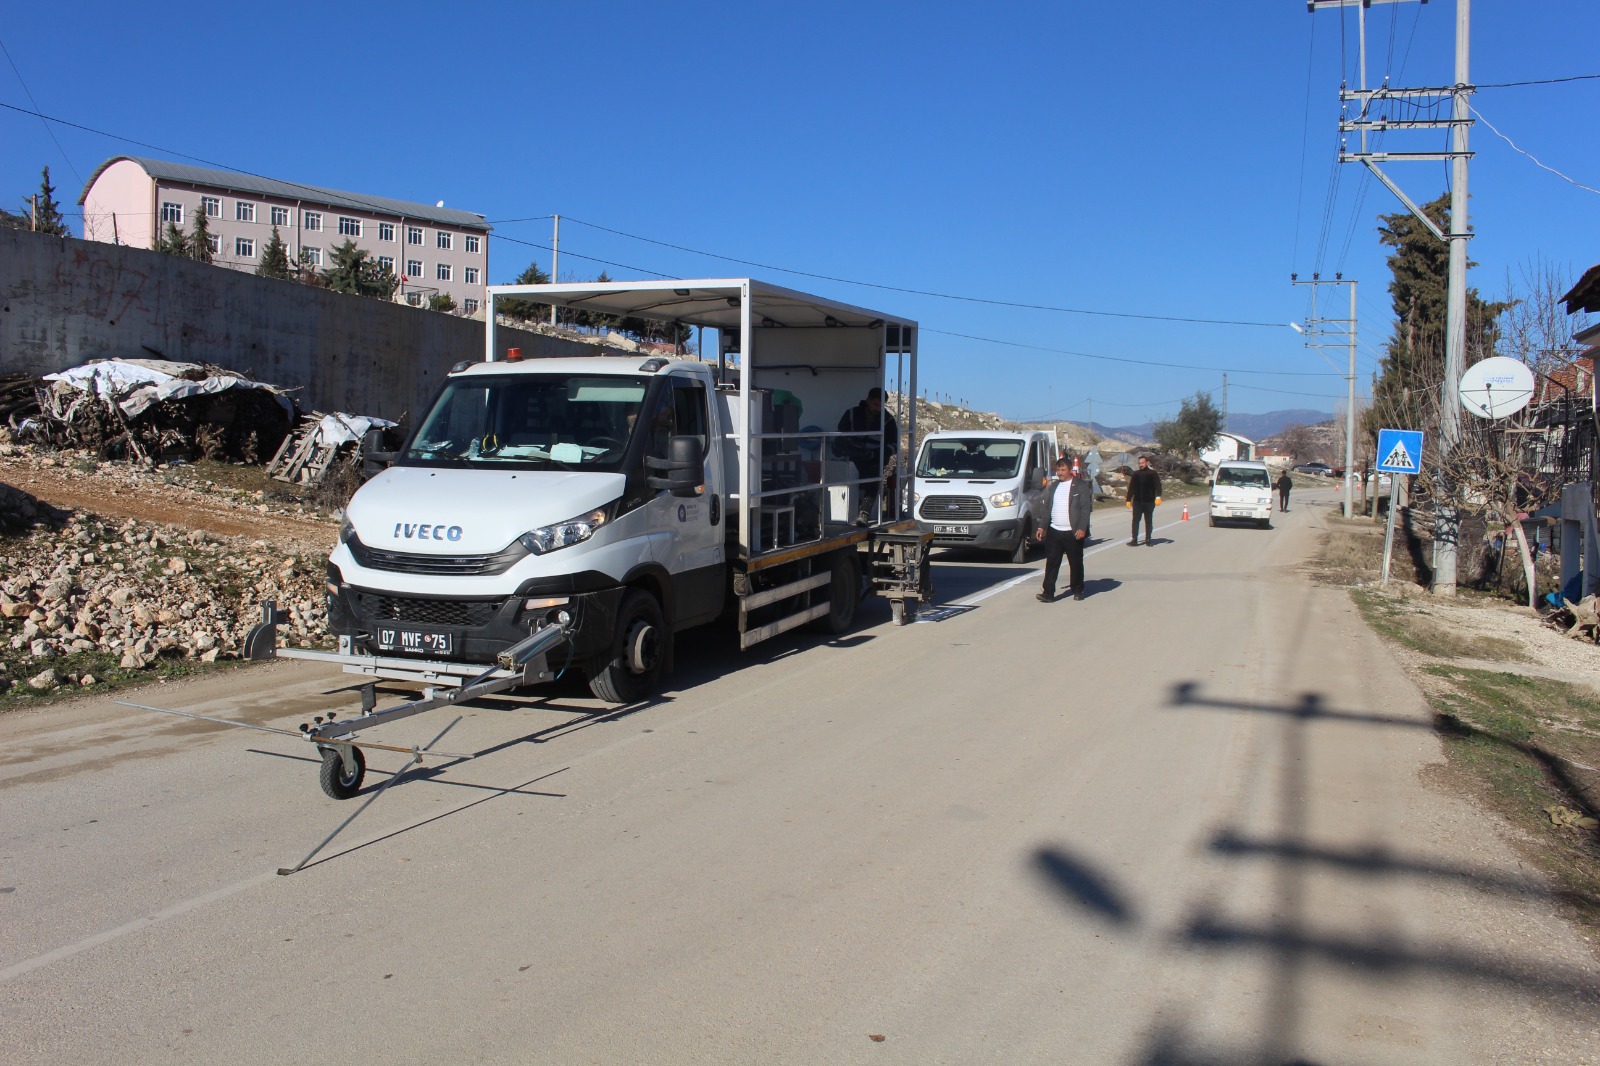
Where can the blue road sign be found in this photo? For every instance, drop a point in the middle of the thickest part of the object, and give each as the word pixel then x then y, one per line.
pixel 1400 451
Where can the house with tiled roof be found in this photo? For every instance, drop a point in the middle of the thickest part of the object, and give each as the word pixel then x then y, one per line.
pixel 129 200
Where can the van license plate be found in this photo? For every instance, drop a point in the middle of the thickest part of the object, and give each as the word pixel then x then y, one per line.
pixel 961 531
pixel 414 641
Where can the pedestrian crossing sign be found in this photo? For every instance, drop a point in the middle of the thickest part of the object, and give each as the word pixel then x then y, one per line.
pixel 1400 451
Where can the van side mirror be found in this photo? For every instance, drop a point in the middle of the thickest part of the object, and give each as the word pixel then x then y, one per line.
pixel 683 471
pixel 373 457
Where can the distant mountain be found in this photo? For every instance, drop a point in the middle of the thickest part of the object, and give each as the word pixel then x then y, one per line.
pixel 1272 423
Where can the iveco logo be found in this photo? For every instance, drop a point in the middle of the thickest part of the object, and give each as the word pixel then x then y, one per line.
pixel 424 531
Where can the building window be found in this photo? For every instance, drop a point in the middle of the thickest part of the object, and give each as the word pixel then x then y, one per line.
pixel 214 243
pixel 469 306
pixel 244 247
pixel 413 268
pixel 311 220
pixel 280 216
pixel 350 227
pixel 442 270
pixel 470 275
pixel 212 206
pixel 244 211
pixel 444 239
pixel 386 231
pixel 472 244
pixel 386 262
pixel 413 234
pixel 171 212
pixel 311 256
pixel 414 299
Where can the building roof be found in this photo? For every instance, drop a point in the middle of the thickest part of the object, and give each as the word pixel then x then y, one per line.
pixel 237 181
pixel 1569 379
pixel 1585 295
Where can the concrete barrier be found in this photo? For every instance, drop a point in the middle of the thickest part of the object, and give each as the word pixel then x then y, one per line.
pixel 65 301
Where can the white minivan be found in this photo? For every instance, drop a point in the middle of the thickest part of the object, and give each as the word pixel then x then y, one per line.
pixel 1242 489
pixel 983 488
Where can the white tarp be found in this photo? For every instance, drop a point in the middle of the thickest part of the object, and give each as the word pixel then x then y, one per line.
pixel 135 384
pixel 340 428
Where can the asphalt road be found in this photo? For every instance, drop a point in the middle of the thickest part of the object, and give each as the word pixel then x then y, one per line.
pixel 1185 821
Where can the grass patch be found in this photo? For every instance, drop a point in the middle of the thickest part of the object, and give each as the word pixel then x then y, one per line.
pixel 1411 627
pixel 109 676
pixel 1522 747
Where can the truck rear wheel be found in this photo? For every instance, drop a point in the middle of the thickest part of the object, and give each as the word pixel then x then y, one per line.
pixel 844 594
pixel 633 665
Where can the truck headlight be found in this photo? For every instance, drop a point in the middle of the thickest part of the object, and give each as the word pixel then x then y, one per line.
pixel 347 531
pixel 572 531
pixel 1007 498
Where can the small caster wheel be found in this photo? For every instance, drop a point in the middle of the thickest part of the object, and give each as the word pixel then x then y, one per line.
pixel 336 782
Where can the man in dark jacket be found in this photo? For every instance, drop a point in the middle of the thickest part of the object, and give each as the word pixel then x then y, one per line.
pixel 870 462
pixel 1144 492
pixel 1285 483
pixel 1068 502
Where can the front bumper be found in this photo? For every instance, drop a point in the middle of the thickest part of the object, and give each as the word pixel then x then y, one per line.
pixel 478 628
pixel 995 534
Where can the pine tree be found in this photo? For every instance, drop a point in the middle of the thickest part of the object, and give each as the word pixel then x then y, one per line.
pixel 172 241
pixel 351 271
pixel 1406 392
pixel 46 216
pixel 441 301
pixel 527 309
pixel 200 238
pixel 274 258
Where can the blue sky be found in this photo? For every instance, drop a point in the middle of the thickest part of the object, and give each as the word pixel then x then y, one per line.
pixel 1148 161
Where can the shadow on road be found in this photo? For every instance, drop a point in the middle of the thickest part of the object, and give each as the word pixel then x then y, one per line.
pixel 1296 943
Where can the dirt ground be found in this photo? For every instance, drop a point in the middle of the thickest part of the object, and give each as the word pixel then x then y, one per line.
pixel 198 497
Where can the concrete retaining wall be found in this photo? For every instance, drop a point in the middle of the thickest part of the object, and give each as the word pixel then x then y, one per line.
pixel 64 301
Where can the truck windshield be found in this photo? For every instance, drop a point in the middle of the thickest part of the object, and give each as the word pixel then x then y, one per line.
pixel 974 457
pixel 539 420
pixel 1233 477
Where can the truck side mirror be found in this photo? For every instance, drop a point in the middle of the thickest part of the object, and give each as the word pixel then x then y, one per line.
pixel 683 471
pixel 373 457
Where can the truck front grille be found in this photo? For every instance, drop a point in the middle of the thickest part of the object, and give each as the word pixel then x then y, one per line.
pixel 376 607
pixel 447 565
pixel 951 509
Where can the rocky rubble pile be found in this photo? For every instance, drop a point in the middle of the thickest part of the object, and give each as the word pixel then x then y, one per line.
pixel 138 592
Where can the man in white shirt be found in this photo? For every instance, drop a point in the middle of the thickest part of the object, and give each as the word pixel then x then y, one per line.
pixel 1069 502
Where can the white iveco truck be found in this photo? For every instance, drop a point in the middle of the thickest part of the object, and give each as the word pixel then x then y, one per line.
pixel 554 514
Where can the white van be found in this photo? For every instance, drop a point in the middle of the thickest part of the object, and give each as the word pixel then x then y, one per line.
pixel 1242 490
pixel 983 488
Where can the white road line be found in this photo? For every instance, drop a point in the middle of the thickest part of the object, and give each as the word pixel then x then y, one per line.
pixel 1020 579
pixel 174 911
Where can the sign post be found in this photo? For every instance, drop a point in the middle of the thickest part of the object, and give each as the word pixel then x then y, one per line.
pixel 1399 452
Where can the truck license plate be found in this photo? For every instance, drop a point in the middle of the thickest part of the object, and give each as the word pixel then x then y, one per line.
pixel 957 530
pixel 416 642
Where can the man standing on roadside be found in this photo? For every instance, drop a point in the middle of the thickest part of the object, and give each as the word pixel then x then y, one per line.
pixel 1285 483
pixel 1144 492
pixel 1068 501
pixel 871 455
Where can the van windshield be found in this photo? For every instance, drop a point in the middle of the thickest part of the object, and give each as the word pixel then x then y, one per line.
pixel 1235 477
pixel 974 457
pixel 538 420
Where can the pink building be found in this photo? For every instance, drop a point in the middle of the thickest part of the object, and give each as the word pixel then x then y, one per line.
pixel 431 250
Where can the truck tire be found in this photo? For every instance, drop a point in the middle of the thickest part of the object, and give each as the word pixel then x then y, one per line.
pixel 1019 554
pixel 844 595
pixel 632 667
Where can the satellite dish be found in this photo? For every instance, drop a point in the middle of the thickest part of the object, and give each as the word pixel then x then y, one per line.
pixel 1496 387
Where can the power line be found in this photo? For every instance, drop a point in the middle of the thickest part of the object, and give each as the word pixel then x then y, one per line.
pixel 1530 155
pixel 47 129
pixel 923 292
pixel 1135 362
pixel 1538 81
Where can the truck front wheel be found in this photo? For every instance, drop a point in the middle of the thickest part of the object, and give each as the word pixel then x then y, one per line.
pixel 632 667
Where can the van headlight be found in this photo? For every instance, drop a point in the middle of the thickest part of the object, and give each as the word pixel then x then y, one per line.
pixel 572 531
pixel 1007 498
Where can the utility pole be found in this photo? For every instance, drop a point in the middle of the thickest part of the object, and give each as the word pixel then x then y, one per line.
pixel 33 213
pixel 1314 333
pixel 1446 526
pixel 555 260
pixel 1224 403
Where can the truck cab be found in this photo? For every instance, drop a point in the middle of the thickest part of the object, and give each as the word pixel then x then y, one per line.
pixel 983 488
pixel 1241 490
